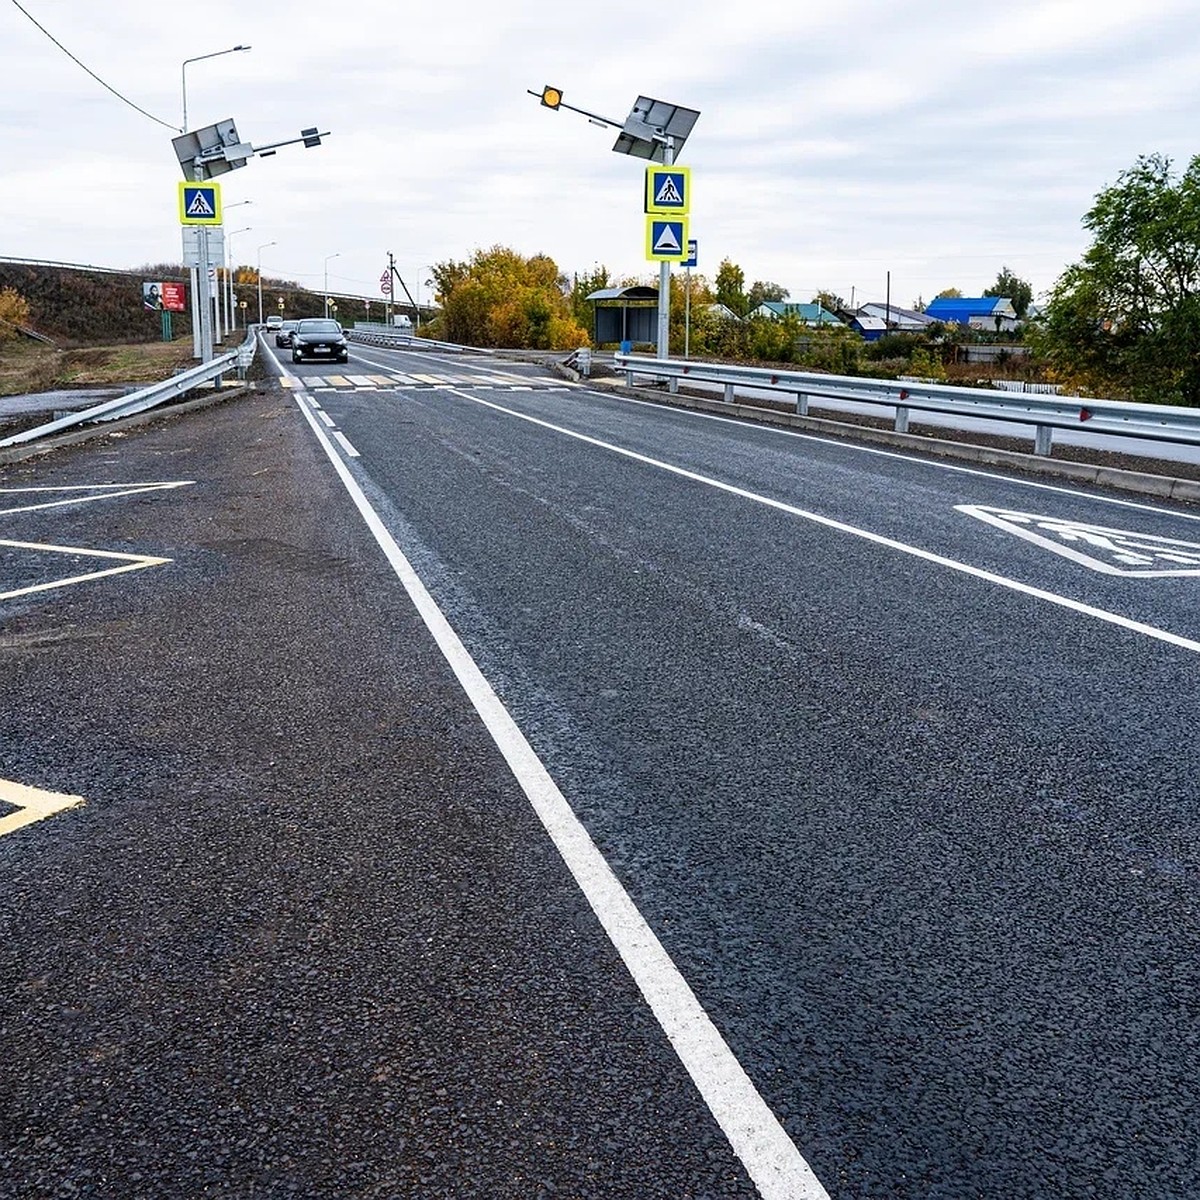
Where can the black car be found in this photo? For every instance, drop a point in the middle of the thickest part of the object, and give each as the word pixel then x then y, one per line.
pixel 283 336
pixel 319 337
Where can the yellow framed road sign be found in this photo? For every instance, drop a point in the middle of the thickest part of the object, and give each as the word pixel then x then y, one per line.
pixel 666 238
pixel 669 190
pixel 199 203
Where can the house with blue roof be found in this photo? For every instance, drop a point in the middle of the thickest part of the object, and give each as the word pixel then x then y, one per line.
pixel 806 314
pixel 988 314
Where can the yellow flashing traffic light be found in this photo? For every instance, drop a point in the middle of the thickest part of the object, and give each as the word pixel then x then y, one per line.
pixel 551 96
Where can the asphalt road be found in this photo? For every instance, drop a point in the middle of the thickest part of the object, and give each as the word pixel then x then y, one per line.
pixel 893 757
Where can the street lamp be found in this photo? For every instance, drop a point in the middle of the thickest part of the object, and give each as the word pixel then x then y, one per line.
pixel 229 260
pixel 183 74
pixel 258 268
pixel 327 258
pixel 219 300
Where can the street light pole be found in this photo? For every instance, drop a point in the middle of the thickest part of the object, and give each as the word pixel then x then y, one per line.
pixel 201 294
pixel 183 75
pixel 231 312
pixel 327 258
pixel 258 269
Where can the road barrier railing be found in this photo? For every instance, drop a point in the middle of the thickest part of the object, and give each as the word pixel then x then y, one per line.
pixel 389 338
pixel 238 360
pixel 1046 413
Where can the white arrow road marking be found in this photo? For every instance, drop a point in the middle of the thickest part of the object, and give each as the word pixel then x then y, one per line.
pixel 34 804
pixel 1109 551
pixel 130 562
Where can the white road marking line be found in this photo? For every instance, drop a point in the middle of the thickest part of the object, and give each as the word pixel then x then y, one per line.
pixel 344 442
pixel 770 1157
pixel 329 421
pixel 336 381
pixel 97 491
pixel 878 539
pixel 936 464
pixel 314 402
pixel 360 380
pixel 34 804
pixel 133 562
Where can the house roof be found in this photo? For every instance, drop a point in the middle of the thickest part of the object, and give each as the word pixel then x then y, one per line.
pixel 908 316
pixel 810 314
pixel 962 308
pixel 866 322
pixel 624 293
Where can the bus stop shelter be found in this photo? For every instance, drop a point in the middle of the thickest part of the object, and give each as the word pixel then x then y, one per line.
pixel 625 315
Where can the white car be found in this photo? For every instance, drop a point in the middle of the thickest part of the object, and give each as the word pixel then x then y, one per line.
pixel 273 323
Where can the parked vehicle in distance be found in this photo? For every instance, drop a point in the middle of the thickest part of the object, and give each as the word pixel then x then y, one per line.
pixel 274 323
pixel 319 337
pixel 283 336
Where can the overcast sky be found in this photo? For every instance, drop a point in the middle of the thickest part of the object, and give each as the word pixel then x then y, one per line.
pixel 837 141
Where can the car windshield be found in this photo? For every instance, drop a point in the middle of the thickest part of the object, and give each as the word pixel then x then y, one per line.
pixel 319 327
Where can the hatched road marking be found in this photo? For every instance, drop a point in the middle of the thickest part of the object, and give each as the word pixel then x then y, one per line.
pixel 32 804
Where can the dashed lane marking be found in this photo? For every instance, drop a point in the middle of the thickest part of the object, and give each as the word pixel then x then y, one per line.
pixel 32 804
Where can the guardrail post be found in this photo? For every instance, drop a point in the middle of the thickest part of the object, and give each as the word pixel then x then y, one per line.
pixel 802 404
pixel 629 377
pixel 729 394
pixel 1042 437
pixel 673 385
pixel 901 418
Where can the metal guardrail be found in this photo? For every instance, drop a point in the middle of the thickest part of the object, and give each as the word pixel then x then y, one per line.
pixel 1163 423
pixel 148 397
pixel 408 342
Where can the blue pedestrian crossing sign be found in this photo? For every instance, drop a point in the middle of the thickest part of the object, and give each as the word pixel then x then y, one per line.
pixel 666 239
pixel 200 204
pixel 669 190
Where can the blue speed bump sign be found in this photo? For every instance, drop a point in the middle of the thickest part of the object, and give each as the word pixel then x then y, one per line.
pixel 666 239
pixel 200 204
pixel 668 190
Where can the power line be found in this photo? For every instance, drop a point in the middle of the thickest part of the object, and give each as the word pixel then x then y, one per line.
pixel 123 99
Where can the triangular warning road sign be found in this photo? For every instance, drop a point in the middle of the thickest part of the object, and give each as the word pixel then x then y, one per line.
pixel 200 206
pixel 668 193
pixel 668 241
pixel 1110 551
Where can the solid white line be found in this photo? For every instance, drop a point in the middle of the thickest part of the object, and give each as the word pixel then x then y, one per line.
pixel 345 444
pixel 936 464
pixel 329 421
pixel 770 1157
pixel 878 539
pixel 111 491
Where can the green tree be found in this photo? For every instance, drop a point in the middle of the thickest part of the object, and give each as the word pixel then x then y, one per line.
pixel 1011 287
pixel 830 301
pixel 1126 318
pixel 501 298
pixel 761 290
pixel 731 287
pixel 950 293
pixel 584 284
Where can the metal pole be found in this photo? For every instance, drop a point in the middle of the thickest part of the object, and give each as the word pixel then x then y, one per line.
pixel 664 275
pixel 687 314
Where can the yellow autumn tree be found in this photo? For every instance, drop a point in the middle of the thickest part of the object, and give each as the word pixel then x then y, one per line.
pixel 14 311
pixel 501 298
